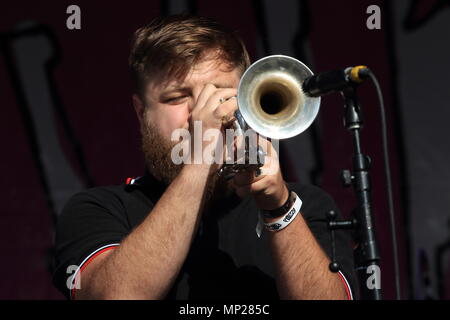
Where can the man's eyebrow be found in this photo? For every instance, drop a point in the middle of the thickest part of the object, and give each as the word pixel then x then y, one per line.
pixel 176 88
pixel 170 89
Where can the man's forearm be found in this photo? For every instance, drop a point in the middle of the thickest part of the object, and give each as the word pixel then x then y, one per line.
pixel 149 259
pixel 302 266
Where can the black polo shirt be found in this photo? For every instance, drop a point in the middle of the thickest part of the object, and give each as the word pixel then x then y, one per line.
pixel 226 259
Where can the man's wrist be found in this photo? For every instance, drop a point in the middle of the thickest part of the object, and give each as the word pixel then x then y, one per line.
pixel 277 224
pixel 201 168
pixel 282 208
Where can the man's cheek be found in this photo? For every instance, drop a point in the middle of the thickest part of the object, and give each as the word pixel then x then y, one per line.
pixel 168 126
pixel 164 128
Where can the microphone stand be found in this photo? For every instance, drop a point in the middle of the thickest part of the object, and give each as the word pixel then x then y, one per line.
pixel 366 253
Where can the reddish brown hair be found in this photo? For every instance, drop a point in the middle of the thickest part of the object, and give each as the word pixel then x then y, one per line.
pixel 170 46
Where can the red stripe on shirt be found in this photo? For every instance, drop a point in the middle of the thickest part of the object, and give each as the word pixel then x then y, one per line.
pixel 347 289
pixel 86 264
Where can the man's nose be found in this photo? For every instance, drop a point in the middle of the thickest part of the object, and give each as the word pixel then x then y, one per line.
pixel 193 102
pixel 191 105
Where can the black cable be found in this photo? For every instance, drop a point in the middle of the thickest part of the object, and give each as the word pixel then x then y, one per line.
pixel 389 184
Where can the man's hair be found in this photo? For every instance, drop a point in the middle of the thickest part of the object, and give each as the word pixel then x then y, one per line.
pixel 171 46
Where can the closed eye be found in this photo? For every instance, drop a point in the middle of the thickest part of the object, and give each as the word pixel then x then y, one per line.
pixel 175 100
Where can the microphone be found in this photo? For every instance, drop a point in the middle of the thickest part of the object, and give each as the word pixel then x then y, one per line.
pixel 337 80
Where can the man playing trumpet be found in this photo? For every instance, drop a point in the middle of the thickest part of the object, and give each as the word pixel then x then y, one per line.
pixel 182 231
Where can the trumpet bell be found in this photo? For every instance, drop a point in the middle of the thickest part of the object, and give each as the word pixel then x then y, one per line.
pixel 271 100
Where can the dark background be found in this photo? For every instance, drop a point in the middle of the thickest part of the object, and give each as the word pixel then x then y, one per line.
pixel 68 123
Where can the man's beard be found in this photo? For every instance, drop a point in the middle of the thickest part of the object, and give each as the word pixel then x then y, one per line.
pixel 157 152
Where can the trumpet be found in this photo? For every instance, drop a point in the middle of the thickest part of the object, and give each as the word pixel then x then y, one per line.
pixel 271 101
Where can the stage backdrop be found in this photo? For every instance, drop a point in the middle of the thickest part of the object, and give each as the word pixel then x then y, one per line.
pixel 68 123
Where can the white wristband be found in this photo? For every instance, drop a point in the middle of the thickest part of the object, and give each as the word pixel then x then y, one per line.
pixel 284 221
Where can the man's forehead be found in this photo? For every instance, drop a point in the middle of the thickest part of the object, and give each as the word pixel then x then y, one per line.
pixel 219 74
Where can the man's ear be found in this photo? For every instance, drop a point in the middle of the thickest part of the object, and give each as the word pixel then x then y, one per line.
pixel 139 108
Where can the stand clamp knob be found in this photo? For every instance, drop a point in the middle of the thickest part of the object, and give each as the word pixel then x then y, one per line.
pixel 346 178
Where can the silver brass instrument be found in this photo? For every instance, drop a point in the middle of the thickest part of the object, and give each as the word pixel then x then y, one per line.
pixel 272 103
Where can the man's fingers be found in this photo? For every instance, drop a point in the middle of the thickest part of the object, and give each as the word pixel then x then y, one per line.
pixel 220 97
pixel 247 177
pixel 226 110
pixel 243 178
pixel 252 188
pixel 204 95
pixel 215 104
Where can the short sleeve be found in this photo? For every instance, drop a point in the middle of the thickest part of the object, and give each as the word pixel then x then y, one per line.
pixel 316 204
pixel 91 221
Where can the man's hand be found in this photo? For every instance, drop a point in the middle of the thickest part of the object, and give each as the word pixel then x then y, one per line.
pixel 213 108
pixel 266 184
pixel 213 105
pixel 301 264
